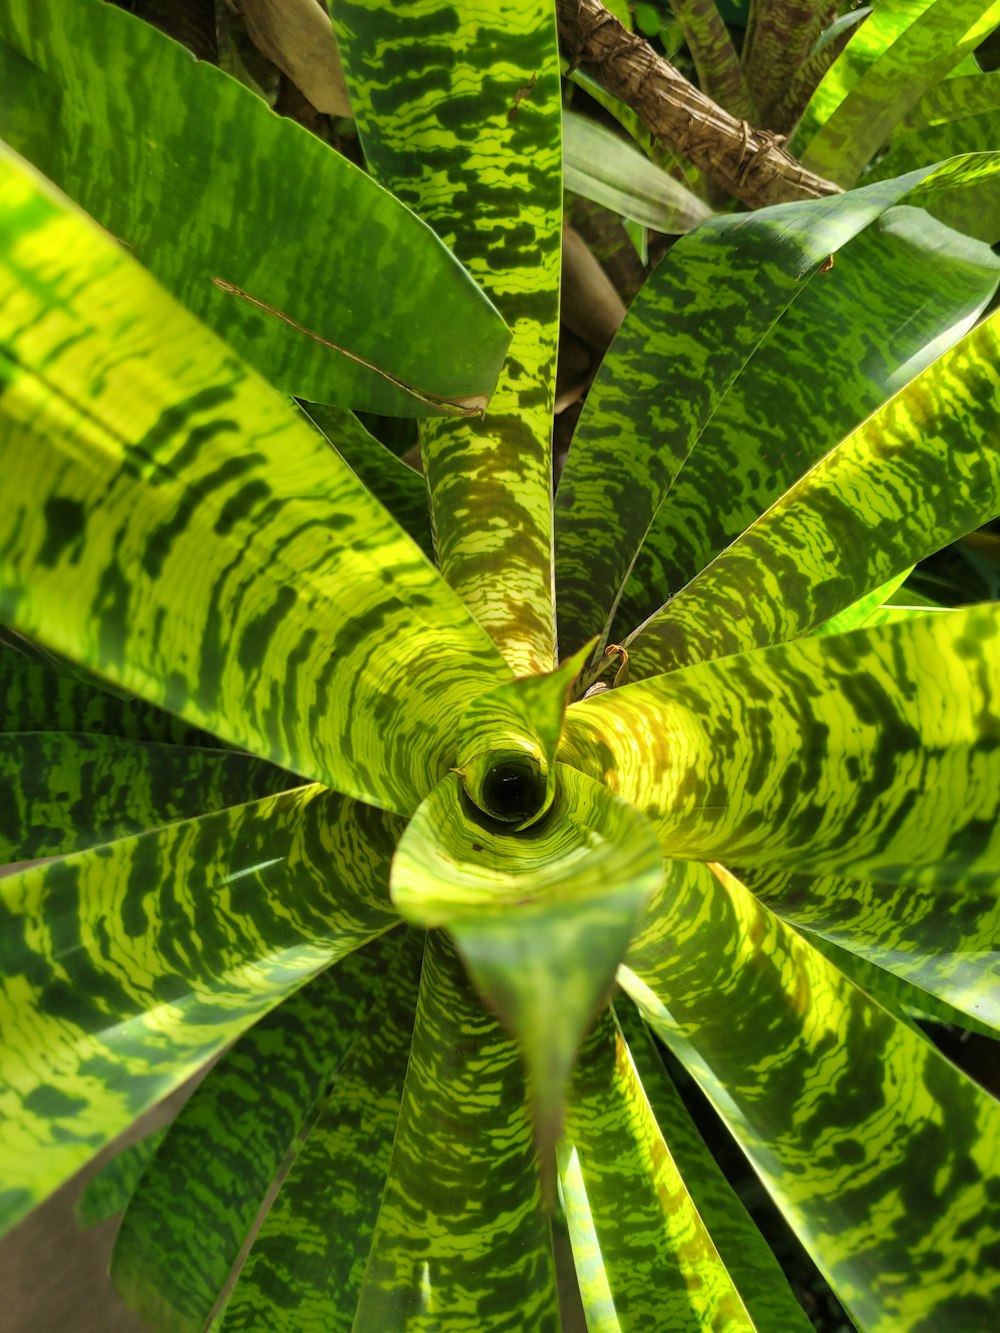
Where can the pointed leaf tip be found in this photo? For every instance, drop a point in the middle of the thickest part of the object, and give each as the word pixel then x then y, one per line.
pixel 541 916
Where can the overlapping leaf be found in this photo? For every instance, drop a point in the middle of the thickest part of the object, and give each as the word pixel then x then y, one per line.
pixel 461 1236
pixel 737 368
pixel 880 1153
pixel 871 754
pixel 211 1174
pixel 63 792
pixel 125 968
pixel 944 939
pixel 541 916
pixel 236 570
pixel 919 473
pixel 601 166
pixel 904 48
pixel 960 115
pixel 762 1284
pixel 651 1264
pixel 780 35
pixel 714 56
pixel 462 122
pixel 307 1262
pixel 230 207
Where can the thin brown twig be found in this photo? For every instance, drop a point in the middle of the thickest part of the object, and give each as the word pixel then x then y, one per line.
pixel 752 165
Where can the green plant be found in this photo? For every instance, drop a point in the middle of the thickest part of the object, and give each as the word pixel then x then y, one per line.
pixel 797 792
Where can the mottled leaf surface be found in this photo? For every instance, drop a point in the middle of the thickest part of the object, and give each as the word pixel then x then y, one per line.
pixel 871 754
pixel 124 968
pixel 904 48
pixel 61 792
pixel 461 1237
pixel 235 570
pixel 212 1172
pixel 738 366
pixel 307 1261
pixel 229 205
pixel 918 474
pixel 762 1285
pixel 643 1256
pixel 458 107
pixel 879 1152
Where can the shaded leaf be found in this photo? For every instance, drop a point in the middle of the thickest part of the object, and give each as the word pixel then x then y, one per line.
pixel 64 792
pixel 601 166
pixel 919 473
pixel 197 1201
pixel 307 1261
pixel 904 48
pixel 107 1193
pixel 737 368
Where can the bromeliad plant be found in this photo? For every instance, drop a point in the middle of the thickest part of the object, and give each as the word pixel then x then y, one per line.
pixel 309 798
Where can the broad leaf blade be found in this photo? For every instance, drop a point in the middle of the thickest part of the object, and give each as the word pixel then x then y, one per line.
pixel 193 1211
pixel 464 125
pixel 918 474
pixel 461 1234
pixel 903 49
pixel 762 1285
pixel 880 1153
pixel 64 792
pixel 643 1256
pixel 185 166
pixel 236 571
pixel 127 967
pixel 871 754
pixel 737 368
pixel 946 940
pixel 307 1262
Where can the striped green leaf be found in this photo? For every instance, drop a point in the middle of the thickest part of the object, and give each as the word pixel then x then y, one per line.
pixel 63 792
pixel 866 610
pixel 306 1265
pixel 871 754
pixel 762 1285
pixel 780 35
pixel 648 1263
pixel 542 916
pixel 461 1237
pixel 41 692
pixel 393 483
pixel 236 570
pixel 737 368
pixel 904 48
pixel 212 1172
pixel 188 176
pixel 107 1193
pixel 899 996
pixel 714 56
pixel 602 166
pixel 960 115
pixel 944 939
pixel 463 124
pixel 880 1153
pixel 919 473
pixel 123 969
